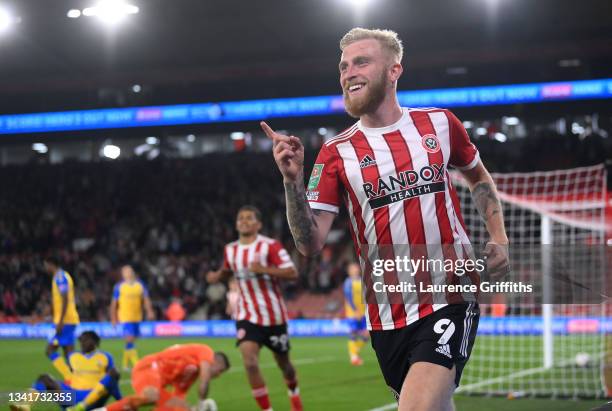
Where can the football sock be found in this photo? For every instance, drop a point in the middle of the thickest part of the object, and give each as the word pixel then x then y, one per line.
pixel 261 397
pixel 60 364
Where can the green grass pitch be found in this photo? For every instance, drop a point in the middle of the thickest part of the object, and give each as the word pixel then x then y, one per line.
pixel 327 380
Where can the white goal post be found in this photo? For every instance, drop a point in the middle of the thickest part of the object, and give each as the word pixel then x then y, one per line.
pixel 544 349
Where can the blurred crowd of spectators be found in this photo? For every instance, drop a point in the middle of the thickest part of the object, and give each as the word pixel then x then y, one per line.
pixel 171 217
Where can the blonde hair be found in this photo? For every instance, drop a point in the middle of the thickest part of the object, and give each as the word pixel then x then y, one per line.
pixel 388 39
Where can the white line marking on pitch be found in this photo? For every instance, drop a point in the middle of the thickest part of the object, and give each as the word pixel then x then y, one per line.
pixel 518 374
pixel 299 361
pixel 390 406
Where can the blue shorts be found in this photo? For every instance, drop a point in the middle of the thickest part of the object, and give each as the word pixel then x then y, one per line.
pixel 66 337
pixel 131 329
pixel 79 396
pixel 357 324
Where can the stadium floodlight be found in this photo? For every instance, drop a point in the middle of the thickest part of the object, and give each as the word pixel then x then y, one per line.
pixel 136 88
pixel 237 135
pixel 511 121
pixel 577 128
pixel 359 4
pixel 501 137
pixel 73 14
pixel 6 20
pixel 322 131
pixel 111 11
pixel 191 138
pixel 152 141
pixel 468 124
pixel 111 151
pixel 569 63
pixel 481 131
pixel 40 148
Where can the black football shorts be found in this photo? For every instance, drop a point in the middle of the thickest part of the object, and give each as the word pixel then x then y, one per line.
pixel 275 337
pixel 445 337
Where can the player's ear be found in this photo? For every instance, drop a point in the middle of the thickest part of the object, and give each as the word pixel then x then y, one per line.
pixel 395 71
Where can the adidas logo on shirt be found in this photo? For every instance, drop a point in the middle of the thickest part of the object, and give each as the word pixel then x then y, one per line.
pixel 444 350
pixel 367 161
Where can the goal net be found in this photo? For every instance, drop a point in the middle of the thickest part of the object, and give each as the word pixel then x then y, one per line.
pixel 531 348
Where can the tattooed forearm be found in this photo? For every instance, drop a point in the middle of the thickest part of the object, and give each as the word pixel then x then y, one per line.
pixel 301 219
pixel 486 201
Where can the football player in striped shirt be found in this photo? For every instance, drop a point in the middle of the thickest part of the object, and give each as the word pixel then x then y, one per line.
pixel 65 315
pixel 130 296
pixel 354 309
pixel 390 169
pixel 258 263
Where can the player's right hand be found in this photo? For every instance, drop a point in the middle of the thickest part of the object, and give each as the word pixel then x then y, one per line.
pixel 59 327
pixel 288 153
pixel 213 276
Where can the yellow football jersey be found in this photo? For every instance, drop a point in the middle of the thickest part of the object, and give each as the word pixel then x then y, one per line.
pixel 89 369
pixel 353 305
pixel 130 297
pixel 63 285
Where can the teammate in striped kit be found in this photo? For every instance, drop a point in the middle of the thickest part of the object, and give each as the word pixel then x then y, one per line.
pixel 390 170
pixel 258 263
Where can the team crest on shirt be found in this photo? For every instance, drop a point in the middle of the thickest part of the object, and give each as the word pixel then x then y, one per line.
pixel 430 143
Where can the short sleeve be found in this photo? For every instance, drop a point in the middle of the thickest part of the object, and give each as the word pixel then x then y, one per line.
pixel 464 154
pixel 61 282
pixel 145 290
pixel 278 256
pixel 226 265
pixel 205 353
pixel 322 191
pixel 110 363
pixel 116 291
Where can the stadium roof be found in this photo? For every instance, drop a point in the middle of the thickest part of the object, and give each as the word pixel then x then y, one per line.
pixel 193 50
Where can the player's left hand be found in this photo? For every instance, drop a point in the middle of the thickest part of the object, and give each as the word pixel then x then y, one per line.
pixel 257 268
pixel 498 260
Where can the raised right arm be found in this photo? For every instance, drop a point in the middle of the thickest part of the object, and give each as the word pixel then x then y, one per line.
pixel 308 227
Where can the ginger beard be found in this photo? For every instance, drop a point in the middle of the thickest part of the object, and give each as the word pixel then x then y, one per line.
pixel 357 106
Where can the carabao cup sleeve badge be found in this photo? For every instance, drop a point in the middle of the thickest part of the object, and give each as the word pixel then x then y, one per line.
pixel 315 176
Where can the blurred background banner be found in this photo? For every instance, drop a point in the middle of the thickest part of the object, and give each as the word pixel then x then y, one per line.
pixel 295 107
pixel 309 328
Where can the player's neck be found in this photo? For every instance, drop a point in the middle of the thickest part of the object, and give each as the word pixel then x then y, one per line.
pixel 245 239
pixel 387 113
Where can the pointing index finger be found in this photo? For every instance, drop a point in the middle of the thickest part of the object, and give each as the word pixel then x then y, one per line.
pixel 273 135
pixel 267 129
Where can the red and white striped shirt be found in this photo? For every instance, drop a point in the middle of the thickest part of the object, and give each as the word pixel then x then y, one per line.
pixel 396 187
pixel 260 300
